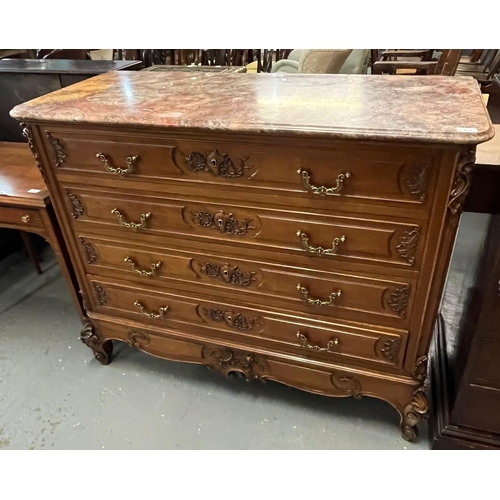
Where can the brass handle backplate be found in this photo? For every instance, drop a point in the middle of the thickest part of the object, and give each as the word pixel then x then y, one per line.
pixel 304 342
pixel 159 315
pixel 317 302
pixel 323 190
pixel 304 239
pixel 142 272
pixel 117 170
pixel 25 219
pixel 132 225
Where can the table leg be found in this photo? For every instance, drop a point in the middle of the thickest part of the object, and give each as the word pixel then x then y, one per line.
pixel 54 237
pixel 32 253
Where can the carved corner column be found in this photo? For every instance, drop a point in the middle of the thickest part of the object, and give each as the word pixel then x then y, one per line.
pixel 102 348
pixel 461 183
pixel 417 408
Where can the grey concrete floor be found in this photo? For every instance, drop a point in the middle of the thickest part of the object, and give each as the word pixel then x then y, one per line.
pixel 54 395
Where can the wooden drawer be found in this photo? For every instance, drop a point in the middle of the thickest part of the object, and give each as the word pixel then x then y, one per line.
pixel 374 175
pixel 362 298
pixel 24 217
pixel 305 335
pixel 372 240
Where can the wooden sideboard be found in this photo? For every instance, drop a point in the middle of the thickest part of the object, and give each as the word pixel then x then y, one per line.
pixel 24 79
pixel 465 360
pixel 295 229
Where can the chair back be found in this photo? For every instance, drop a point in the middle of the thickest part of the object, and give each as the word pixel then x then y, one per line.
pixel 448 62
pixel 356 63
pixel 323 60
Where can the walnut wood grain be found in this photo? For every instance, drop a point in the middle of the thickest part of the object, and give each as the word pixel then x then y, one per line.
pixel 386 242
pixel 221 319
pixel 396 175
pixel 220 183
pixel 367 298
pixel 25 204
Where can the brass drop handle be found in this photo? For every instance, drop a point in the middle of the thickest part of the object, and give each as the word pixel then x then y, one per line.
pixel 304 239
pixel 304 293
pixel 117 170
pixel 142 272
pixel 159 315
pixel 132 225
pixel 323 190
pixel 25 218
pixel 304 342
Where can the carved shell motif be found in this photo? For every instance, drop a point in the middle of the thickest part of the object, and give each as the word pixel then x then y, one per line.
pixel 418 180
pixel 229 274
pixel 388 349
pixel 408 243
pixel 138 339
pixel 346 384
pixel 88 250
pixel 397 300
pixel 58 148
pixel 230 318
pixel 100 294
pixel 77 209
pixel 219 165
pixel 224 223
pixel 227 361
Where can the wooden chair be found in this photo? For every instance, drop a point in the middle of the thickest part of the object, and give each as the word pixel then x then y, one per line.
pixel 484 70
pixel 396 54
pixel 416 63
pixel 264 58
pixel 473 57
pixel 477 63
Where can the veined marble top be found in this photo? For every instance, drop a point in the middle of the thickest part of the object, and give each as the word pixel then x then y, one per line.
pixel 380 107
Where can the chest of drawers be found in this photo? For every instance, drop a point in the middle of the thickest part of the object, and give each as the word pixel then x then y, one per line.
pixel 295 229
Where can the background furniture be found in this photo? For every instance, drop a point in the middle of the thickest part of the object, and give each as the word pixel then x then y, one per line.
pixel 256 60
pixel 25 205
pixel 484 69
pixel 356 63
pixel 206 69
pixel 173 215
pixel 465 362
pixel 313 61
pixel 9 53
pixel 24 79
pixel 419 62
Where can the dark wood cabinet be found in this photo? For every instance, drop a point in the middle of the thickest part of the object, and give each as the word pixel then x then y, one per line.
pixel 466 361
pixel 22 80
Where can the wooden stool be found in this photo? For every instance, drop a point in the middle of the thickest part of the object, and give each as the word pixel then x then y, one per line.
pixel 25 205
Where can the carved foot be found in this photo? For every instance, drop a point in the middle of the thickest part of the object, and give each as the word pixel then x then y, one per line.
pixel 413 413
pixel 102 348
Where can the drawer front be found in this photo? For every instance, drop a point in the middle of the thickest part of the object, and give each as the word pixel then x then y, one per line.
pixel 292 288
pixel 24 217
pixel 325 237
pixel 302 335
pixel 374 175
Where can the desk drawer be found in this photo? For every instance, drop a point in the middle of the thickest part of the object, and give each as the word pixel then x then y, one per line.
pixel 305 335
pixel 325 176
pixel 361 299
pixel 318 236
pixel 25 217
